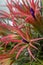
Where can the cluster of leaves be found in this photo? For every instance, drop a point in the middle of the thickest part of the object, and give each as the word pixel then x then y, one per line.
pixel 24 34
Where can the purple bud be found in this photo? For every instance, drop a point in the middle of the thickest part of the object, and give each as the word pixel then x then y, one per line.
pixel 32 12
pixel 25 41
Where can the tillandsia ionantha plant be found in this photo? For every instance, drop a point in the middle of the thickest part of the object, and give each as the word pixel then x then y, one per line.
pixel 24 15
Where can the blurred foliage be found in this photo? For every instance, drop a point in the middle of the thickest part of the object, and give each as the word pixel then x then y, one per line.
pixel 24 58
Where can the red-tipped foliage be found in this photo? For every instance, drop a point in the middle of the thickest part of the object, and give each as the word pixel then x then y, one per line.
pixel 27 12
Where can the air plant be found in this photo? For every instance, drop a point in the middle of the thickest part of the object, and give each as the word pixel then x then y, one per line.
pixel 19 34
